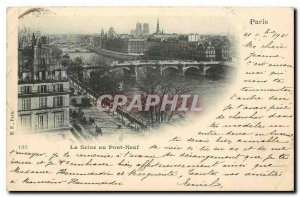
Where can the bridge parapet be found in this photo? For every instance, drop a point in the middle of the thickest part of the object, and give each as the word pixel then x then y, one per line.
pixel 180 66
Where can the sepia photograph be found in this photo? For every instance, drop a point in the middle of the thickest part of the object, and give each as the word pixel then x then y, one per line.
pixel 128 75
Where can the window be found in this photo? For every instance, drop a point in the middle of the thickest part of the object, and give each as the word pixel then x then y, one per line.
pixel 42 121
pixel 43 88
pixel 26 89
pixel 43 61
pixel 58 119
pixel 58 101
pixel 42 75
pixel 26 121
pixel 63 74
pixel 43 102
pixel 58 87
pixel 57 75
pixel 25 76
pixel 26 103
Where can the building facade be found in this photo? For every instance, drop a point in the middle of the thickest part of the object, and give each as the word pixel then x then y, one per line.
pixel 195 37
pixel 136 46
pixel 43 89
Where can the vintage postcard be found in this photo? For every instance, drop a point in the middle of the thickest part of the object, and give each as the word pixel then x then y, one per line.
pixel 150 99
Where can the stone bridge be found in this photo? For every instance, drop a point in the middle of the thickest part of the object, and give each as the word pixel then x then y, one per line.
pixel 178 67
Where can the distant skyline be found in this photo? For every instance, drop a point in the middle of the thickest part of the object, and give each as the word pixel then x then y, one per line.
pixel 56 24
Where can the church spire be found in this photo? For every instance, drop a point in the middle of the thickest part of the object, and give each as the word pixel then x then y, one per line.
pixel 157 27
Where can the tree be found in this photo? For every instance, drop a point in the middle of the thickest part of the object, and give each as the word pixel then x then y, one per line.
pixel 83 121
pixel 80 113
pixel 56 54
pixel 67 56
pixel 104 82
pixel 76 69
pixel 151 82
pixel 98 61
pixel 66 61
pixel 74 102
pixel 86 102
pixel 104 79
pixel 78 61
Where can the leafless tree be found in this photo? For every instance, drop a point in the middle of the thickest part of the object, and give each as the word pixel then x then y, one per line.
pixel 152 82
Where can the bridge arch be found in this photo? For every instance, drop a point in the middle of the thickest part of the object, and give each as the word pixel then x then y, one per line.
pixel 214 71
pixel 191 69
pixel 170 67
pixel 166 69
pixel 124 71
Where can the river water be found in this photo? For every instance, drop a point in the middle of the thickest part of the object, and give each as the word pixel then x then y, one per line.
pixel 85 56
pixel 209 89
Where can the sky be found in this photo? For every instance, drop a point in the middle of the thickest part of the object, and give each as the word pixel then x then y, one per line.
pixel 90 21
